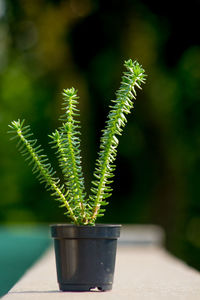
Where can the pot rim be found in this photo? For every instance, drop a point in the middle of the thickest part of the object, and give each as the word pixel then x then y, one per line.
pixel 99 231
pixel 84 226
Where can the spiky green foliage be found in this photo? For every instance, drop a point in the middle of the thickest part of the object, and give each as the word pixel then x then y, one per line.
pixel 66 141
pixel 125 96
pixel 41 165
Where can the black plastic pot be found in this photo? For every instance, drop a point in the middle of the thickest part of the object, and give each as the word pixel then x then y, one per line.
pixel 85 256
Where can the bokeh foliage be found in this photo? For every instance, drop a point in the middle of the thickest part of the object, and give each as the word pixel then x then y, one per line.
pixel 50 45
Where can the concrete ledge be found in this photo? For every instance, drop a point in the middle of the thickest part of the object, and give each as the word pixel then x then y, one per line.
pixel 142 272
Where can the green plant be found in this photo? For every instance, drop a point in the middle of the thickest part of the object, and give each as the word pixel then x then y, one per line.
pixel 81 210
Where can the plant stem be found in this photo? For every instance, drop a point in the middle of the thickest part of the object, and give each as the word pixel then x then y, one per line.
pixel 109 142
pixel 44 172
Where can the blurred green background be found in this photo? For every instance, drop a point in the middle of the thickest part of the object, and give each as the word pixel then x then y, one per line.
pixel 46 46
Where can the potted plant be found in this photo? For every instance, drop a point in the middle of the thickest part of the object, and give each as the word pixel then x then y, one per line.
pixel 85 251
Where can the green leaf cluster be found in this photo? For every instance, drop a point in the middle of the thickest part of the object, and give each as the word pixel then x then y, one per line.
pixel 82 210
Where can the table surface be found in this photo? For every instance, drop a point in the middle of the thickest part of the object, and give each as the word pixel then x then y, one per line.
pixel 142 272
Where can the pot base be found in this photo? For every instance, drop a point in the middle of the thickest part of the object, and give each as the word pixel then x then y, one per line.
pixel 83 287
